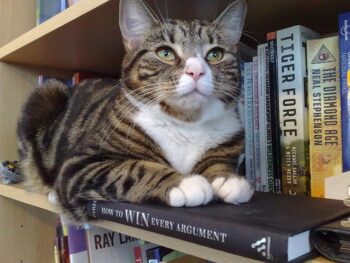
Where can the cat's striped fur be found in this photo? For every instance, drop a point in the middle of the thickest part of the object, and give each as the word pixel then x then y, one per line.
pixel 95 141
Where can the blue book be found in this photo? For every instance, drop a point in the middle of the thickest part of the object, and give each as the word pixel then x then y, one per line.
pixel 48 8
pixel 67 81
pixel 155 255
pixel 344 51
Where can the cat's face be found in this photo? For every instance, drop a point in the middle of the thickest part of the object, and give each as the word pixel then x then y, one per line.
pixel 181 65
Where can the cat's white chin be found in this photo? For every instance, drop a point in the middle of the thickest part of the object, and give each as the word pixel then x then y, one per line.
pixel 193 100
pixel 202 87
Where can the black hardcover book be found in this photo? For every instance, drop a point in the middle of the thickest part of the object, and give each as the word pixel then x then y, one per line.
pixel 274 111
pixel 270 227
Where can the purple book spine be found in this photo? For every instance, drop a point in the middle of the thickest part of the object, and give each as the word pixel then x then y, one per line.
pixel 344 48
pixel 76 239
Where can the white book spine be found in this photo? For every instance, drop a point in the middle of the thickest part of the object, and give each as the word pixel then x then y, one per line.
pixel 249 122
pixel 262 114
pixel 292 78
pixel 258 186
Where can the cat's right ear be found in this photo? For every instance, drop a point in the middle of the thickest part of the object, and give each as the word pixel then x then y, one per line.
pixel 134 20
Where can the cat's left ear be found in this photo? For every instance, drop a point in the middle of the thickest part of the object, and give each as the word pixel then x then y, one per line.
pixel 231 21
pixel 135 19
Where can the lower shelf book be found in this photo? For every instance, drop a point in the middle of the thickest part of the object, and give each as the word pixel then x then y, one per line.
pixel 109 247
pixel 270 227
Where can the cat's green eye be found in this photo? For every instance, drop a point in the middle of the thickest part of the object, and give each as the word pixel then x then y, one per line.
pixel 166 54
pixel 215 55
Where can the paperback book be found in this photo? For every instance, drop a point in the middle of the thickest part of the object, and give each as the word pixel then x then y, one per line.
pixel 292 78
pixel 257 152
pixel 324 112
pixel 45 9
pixel 262 116
pixel 249 122
pixel 109 247
pixel 274 112
pixel 344 49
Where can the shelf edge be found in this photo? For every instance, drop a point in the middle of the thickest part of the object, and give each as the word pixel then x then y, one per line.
pixel 18 193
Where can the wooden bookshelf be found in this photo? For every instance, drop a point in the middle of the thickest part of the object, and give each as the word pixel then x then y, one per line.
pixel 86 37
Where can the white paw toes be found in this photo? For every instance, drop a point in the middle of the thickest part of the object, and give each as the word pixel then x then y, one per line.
pixel 234 190
pixel 194 190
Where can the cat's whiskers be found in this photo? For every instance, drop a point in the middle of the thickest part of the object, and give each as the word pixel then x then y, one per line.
pixel 125 114
pixel 162 22
pixel 156 96
pixel 224 90
pixel 121 81
pixel 125 111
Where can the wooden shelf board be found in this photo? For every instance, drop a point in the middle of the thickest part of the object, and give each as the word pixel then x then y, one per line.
pixel 86 37
pixel 82 37
pixel 18 193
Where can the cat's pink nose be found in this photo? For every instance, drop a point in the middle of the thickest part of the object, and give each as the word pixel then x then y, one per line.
pixel 195 68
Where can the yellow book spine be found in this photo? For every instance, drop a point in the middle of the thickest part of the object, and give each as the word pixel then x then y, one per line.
pixel 324 112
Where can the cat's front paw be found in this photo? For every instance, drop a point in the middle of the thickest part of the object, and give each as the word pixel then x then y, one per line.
pixel 194 190
pixel 234 189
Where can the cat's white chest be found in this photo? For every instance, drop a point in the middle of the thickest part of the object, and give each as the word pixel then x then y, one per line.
pixel 183 143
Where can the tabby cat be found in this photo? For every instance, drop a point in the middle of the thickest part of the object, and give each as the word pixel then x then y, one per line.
pixel 168 132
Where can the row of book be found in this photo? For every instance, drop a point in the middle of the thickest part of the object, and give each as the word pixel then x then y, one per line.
pixel 45 9
pixel 68 81
pixel 93 244
pixel 297 110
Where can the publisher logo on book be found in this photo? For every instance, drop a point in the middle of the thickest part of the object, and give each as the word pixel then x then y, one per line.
pixel 262 246
pixel 345 30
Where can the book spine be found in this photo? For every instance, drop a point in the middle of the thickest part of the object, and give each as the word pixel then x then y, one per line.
pixel 245 53
pixel 324 112
pixel 258 186
pixel 245 240
pixel 268 125
pixel 249 122
pixel 47 9
pixel 344 49
pixel 274 115
pixel 262 115
pixel 62 244
pixel 292 78
pixel 77 243
pixel 138 254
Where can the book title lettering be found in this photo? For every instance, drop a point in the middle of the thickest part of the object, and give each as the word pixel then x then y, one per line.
pixel 111 239
pixel 325 106
pixel 289 101
pixel 146 220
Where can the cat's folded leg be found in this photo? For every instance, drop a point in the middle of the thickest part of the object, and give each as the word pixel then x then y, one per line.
pixel 228 186
pixel 139 181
